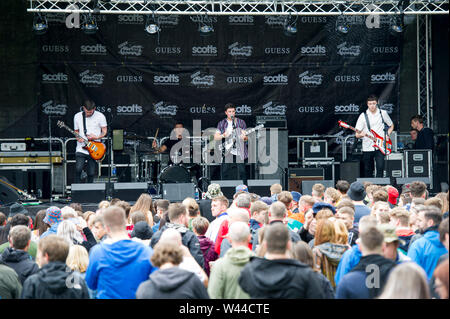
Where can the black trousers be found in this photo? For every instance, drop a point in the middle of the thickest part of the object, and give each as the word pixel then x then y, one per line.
pixel 83 160
pixel 368 162
pixel 229 168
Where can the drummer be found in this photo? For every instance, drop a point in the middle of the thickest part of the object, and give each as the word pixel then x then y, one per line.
pixel 169 143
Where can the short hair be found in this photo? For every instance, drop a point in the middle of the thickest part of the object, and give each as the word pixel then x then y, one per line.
pixel 166 252
pixel 87 215
pixel 221 199
pixel 20 219
pixel 104 204
pixel 125 206
pixel 346 203
pixel 433 213
pixel 367 184
pixel 325 232
pixel 171 235
pixel 114 218
pixel 406 199
pixel 276 188
pixel 434 201
pixel 176 210
pixel 334 194
pixel 2 218
pixel 324 213
pixel 114 201
pixel 384 217
pixel 285 197
pixel 19 235
pixel 417 188
pixel 276 237
pixel 318 189
pixel 379 203
pixel 401 214
pixel 372 97
pixel 347 210
pixel 418 118
pixel 78 258
pixel 342 186
pixel 308 199
pixel 229 106
pixel 418 201
pixel 258 206
pixel 77 207
pixel 443 229
pixel 99 219
pixel 163 204
pixel 137 217
pixel 366 222
pixel 243 200
pixel 89 105
pixel 238 214
pixel 371 189
pixel 200 225
pixel 239 232
pixel 380 196
pixel 303 253
pixel 55 247
pixel 254 197
pixel 371 238
pixel 277 210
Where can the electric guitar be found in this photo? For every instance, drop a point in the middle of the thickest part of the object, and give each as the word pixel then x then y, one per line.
pixel 228 144
pixel 97 150
pixel 377 139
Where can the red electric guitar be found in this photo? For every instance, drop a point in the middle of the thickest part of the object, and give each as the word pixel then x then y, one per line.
pixel 96 150
pixel 377 139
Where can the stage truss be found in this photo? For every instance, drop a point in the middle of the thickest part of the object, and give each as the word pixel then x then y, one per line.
pixel 247 7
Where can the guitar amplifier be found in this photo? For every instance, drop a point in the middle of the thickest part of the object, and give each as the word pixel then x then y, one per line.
pixel 418 163
pixel 395 165
pixel 298 175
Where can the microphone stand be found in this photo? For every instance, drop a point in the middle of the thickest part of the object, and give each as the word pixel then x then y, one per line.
pixel 109 192
pixel 50 154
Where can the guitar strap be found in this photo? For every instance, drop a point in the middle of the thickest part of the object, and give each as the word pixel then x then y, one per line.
pixel 367 121
pixel 84 124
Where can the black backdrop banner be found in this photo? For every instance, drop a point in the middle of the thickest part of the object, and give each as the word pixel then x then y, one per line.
pixel 314 78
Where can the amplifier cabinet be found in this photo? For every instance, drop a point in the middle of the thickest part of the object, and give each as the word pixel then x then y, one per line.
pixel 418 163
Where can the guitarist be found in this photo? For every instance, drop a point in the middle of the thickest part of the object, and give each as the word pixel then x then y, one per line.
pixel 377 120
pixel 92 125
pixel 233 128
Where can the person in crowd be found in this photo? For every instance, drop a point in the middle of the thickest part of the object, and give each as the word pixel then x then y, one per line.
pixel 425 139
pixel 219 206
pixel 277 275
pixel 142 232
pixel 40 226
pixel 170 281
pixel 294 223
pixel 137 216
pixel 308 230
pixel 444 199
pixel 404 199
pixel 399 218
pixel 441 275
pixel 414 215
pixel 144 205
pixel 99 229
pixel 89 217
pixel 354 284
pixel 379 207
pixel 295 201
pixel 16 220
pixel 303 253
pixel 258 211
pixel 275 189
pixel 317 192
pixel 235 215
pixel 434 201
pixel 53 281
pixel 347 215
pixel 393 196
pixel 162 208
pixel 391 244
pixel 427 250
pixel 406 281
pixel 332 196
pixel 223 282
pixel 193 209
pixel 73 233
pixel 52 219
pixel 418 189
pixel 306 202
pixel 357 193
pixel 127 208
pixel 117 265
pixel 78 260
pixel 104 204
pixel 178 220
pixel 16 256
pixel 10 286
pixel 342 186
pixel 14 210
pixel 2 219
pixel 200 226
pixel 383 218
pixel 443 237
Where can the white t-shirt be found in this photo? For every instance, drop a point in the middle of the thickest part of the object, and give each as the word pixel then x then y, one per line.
pixel 376 124
pixel 94 124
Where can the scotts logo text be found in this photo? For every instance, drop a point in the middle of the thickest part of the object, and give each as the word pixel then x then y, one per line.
pixel 209 50
pixel 168 50
pixel 346 109
pixel 240 20
pixel 277 51
pixel 55 78
pixel 95 49
pixel 353 50
pixel 243 109
pixel 57 109
pixel 129 78
pixel 388 107
pixel 130 19
pixel 125 49
pixel 55 48
pixel 170 79
pixel 313 19
pixel 309 79
pixel 163 108
pixel 382 78
pixel 133 109
pixel 275 21
pixel 235 50
pixel 239 79
pixel 385 50
pixel 202 81
pixel 271 108
pixel 310 109
pixel 87 77
pixel 318 50
pixel 202 109
pixel 279 79
pixel 347 78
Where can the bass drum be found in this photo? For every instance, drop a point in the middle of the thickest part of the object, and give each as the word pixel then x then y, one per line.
pixel 174 174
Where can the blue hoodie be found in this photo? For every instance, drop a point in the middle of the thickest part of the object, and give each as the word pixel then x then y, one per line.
pixel 426 251
pixel 348 261
pixel 117 269
pixel 51 231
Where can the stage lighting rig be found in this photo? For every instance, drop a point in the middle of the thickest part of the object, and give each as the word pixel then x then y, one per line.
pixel 40 24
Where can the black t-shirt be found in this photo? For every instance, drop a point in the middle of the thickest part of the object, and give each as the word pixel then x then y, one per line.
pixel 425 139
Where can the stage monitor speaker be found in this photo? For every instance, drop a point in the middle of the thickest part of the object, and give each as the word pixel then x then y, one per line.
pixel 375 180
pixel 129 191
pixel 117 140
pixel 88 193
pixel 7 193
pixel 205 209
pixel 177 192
pixel 300 174
pixel 409 180
pixel 349 171
pixel 261 186
pixel 228 187
pixel 308 185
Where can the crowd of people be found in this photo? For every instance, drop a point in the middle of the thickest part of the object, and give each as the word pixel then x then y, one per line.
pixel 353 241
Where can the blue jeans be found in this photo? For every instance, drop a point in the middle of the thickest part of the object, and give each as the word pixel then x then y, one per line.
pixel 81 160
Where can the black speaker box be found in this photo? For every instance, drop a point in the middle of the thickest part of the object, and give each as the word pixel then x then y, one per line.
pixel 349 171
pixel 177 192
pixel 88 193
pixel 375 180
pixel 129 191
pixel 228 187
pixel 261 186
pixel 308 185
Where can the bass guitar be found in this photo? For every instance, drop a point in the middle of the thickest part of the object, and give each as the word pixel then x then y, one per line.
pixel 379 142
pixel 97 150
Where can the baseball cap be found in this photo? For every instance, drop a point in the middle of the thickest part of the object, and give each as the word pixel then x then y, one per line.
pixel 321 205
pixel 393 195
pixel 296 196
pixel 241 188
pixel 389 233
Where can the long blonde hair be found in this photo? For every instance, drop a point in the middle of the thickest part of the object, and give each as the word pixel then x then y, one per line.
pixel 144 205
pixel 341 232
pixel 406 281
pixel 78 258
